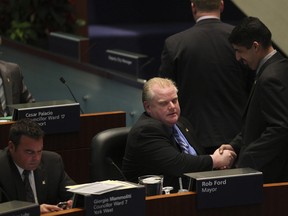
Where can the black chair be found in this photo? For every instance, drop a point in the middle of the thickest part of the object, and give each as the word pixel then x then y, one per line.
pixel 107 152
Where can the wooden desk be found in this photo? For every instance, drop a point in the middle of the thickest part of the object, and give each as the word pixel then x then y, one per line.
pixel 75 147
pixel 70 212
pixel 184 204
pixel 274 203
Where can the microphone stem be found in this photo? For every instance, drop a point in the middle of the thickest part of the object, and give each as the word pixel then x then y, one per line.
pixel 74 97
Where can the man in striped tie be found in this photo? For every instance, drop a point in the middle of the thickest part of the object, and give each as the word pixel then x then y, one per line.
pixel 163 143
pixel 29 173
pixel 12 88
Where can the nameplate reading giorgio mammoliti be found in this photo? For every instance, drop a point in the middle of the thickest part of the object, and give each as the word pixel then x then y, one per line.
pixel 222 188
pixel 130 201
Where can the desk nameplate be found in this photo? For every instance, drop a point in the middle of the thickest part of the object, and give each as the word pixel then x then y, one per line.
pixel 223 188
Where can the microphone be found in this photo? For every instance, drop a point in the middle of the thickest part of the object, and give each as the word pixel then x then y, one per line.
pixel 64 82
pixel 111 162
pixel 145 64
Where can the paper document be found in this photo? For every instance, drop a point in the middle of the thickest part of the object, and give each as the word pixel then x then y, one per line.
pixel 100 187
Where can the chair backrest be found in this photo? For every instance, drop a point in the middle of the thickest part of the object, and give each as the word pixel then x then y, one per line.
pixel 107 152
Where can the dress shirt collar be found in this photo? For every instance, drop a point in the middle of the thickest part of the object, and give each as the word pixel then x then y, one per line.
pixel 262 62
pixel 207 17
pixel 20 170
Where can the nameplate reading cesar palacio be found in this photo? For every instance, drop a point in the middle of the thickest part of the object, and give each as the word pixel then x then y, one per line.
pixel 42 117
pixel 61 116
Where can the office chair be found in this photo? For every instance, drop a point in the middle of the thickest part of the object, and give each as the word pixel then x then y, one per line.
pixel 107 152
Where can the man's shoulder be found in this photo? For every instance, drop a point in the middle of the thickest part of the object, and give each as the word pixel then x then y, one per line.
pixel 7 68
pixel 4 161
pixel 50 155
pixel 145 119
pixel 3 154
pixel 147 123
pixel 7 64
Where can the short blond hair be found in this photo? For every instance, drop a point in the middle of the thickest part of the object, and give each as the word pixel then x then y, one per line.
pixel 148 94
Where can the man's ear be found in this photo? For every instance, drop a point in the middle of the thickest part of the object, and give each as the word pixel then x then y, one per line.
pixel 11 146
pixel 146 106
pixel 193 8
pixel 256 45
pixel 221 6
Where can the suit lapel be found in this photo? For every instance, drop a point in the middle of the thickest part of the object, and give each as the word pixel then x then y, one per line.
pixel 17 179
pixel 190 137
pixel 40 183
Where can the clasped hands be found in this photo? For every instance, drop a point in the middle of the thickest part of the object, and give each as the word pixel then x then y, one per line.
pixel 224 157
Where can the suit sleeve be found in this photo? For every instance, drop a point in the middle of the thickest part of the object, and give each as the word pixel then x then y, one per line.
pixel 237 142
pixel 25 95
pixel 167 67
pixel 156 151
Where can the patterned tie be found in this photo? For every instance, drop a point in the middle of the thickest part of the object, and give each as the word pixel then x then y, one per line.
pixel 28 189
pixel 2 99
pixel 183 143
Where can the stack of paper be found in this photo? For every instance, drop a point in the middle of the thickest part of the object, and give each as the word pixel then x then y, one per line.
pixel 100 187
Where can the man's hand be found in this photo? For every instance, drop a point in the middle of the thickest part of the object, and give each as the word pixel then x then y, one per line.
pixel 225 147
pixel 46 208
pixel 223 160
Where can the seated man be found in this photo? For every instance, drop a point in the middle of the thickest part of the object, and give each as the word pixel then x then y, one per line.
pixel 45 169
pixel 12 88
pixel 152 146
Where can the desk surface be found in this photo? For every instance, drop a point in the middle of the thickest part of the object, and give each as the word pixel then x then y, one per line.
pixel 70 212
pixel 274 203
pixel 184 204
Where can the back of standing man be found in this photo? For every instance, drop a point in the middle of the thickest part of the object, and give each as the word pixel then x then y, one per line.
pixel 213 86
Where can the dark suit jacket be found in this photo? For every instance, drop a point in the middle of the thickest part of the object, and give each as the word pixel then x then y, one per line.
pixel 50 179
pixel 152 150
pixel 213 88
pixel 264 136
pixel 14 88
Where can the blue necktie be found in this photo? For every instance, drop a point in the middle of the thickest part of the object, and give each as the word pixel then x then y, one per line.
pixel 183 143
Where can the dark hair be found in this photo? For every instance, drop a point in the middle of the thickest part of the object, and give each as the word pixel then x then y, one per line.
pixel 249 30
pixel 207 5
pixel 25 127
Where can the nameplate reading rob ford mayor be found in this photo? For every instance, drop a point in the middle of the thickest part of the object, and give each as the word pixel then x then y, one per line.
pixel 222 188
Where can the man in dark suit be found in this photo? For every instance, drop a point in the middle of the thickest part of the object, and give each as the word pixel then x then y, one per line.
pixel 213 88
pixel 15 91
pixel 264 136
pixel 151 147
pixel 47 177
